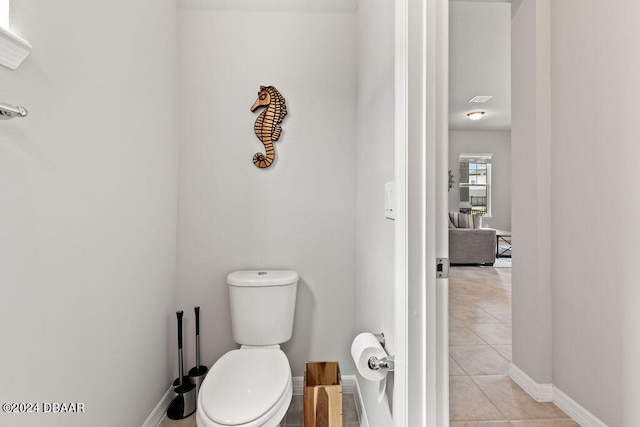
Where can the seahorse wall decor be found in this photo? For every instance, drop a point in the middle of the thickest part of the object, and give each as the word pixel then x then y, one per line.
pixel 267 126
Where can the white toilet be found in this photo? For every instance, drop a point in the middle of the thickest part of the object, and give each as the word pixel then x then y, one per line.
pixel 251 386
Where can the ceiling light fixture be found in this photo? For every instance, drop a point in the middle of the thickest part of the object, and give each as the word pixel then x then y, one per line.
pixel 475 115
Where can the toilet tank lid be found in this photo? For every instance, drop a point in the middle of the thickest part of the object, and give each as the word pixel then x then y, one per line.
pixel 256 278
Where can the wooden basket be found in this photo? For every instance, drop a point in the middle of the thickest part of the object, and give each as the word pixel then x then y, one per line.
pixel 322 394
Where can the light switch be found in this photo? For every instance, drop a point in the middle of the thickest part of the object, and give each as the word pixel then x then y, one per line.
pixel 389 201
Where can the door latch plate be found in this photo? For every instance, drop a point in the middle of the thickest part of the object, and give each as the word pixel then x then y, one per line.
pixel 442 268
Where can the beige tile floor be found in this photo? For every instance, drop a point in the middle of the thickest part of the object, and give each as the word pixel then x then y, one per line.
pixel 294 415
pixel 481 393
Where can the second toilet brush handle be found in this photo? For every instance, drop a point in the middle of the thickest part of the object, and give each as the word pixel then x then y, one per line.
pixel 180 368
pixel 197 310
pixel 179 315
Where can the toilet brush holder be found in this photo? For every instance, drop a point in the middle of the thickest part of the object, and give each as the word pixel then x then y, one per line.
pixel 184 404
pixel 198 372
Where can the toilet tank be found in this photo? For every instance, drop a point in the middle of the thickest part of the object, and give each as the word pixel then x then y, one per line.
pixel 263 303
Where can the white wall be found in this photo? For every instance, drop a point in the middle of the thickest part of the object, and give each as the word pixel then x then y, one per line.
pixel 298 214
pixel 595 254
pixel 497 143
pixel 87 225
pixel 531 190
pixel 375 166
pixel 575 309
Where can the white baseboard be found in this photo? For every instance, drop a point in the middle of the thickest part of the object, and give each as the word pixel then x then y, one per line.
pixel 551 393
pixel 362 414
pixel 298 385
pixel 540 392
pixel 158 413
pixel 348 384
pixel 574 410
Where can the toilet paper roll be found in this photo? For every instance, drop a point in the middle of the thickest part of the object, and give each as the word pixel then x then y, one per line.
pixel 363 347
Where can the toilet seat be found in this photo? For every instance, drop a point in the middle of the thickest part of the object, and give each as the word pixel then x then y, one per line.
pixel 245 387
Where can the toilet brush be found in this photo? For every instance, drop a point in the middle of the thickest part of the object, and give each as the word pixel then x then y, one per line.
pixel 198 372
pixel 184 404
pixel 182 379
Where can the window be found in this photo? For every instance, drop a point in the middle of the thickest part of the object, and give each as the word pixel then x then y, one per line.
pixel 475 184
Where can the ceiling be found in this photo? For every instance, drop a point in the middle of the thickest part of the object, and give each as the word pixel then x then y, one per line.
pixel 480 63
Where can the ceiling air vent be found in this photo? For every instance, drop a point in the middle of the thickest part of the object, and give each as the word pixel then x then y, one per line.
pixel 480 98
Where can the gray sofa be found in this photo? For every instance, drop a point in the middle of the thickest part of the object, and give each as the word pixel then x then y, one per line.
pixel 470 245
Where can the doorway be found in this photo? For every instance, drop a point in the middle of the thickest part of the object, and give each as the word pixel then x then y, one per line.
pixel 480 162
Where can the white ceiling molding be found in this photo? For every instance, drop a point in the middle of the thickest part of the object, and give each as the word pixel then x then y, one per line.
pixel 312 6
pixel 13 49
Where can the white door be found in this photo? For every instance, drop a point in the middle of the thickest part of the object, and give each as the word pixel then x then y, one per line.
pixel 421 227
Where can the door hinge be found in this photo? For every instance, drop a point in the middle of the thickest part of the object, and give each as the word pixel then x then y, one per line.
pixel 442 268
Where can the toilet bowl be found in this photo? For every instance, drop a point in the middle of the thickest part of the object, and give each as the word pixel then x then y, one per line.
pixel 251 386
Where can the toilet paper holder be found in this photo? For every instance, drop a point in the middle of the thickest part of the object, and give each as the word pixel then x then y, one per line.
pixel 380 338
pixel 386 363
